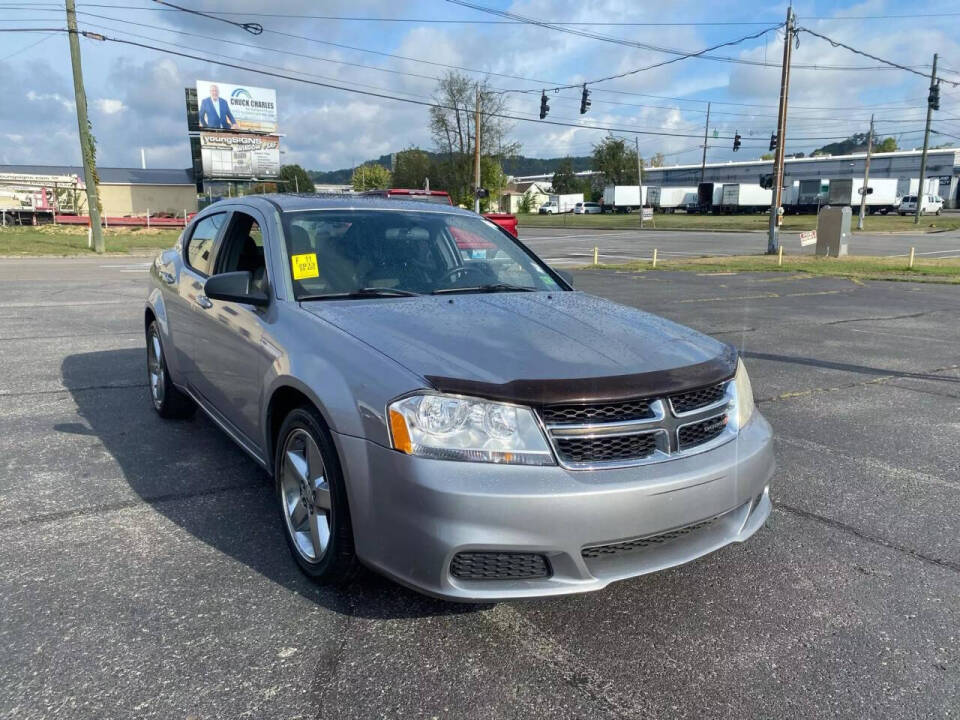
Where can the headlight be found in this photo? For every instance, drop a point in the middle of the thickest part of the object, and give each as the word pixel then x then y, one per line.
pixel 449 427
pixel 745 406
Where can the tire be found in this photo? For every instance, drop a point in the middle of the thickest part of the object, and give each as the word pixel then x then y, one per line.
pixel 312 499
pixel 168 401
pixel 938 212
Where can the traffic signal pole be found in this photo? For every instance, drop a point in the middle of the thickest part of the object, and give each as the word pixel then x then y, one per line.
pixel 773 241
pixel 703 161
pixel 866 177
pixel 926 143
pixel 86 138
pixel 476 156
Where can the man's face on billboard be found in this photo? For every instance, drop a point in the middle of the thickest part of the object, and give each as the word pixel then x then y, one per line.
pixel 214 92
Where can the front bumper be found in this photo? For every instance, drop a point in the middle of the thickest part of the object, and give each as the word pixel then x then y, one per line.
pixel 412 515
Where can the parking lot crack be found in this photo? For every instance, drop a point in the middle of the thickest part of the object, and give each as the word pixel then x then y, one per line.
pixel 908 316
pixel 875 539
pixel 533 641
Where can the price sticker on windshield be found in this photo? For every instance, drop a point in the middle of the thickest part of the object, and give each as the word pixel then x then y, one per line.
pixel 305 266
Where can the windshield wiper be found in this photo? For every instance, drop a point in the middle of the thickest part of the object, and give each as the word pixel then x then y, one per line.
pixel 367 292
pixel 490 288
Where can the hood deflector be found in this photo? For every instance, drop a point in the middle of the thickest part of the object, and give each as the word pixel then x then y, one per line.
pixel 611 388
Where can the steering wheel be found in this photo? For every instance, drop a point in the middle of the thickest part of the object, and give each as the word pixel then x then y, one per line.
pixel 456 273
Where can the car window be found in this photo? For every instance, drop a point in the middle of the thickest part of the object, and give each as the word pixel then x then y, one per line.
pixel 242 249
pixel 344 251
pixel 202 239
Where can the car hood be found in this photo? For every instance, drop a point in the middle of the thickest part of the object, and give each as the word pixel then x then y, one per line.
pixel 533 347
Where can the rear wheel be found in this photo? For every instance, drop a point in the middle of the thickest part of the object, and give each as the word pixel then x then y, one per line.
pixel 168 401
pixel 313 500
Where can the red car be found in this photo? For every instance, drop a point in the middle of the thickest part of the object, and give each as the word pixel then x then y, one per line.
pixel 505 220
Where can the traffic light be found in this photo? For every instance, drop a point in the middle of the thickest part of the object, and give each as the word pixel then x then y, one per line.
pixel 544 105
pixel 773 142
pixel 933 99
pixel 736 141
pixel 584 100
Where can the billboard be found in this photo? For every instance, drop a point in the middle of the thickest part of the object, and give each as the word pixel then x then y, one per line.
pixel 222 106
pixel 231 155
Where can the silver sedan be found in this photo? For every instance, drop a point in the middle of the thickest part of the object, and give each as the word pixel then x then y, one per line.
pixel 433 401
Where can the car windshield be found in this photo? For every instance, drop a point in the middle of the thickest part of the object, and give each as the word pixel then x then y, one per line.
pixel 371 253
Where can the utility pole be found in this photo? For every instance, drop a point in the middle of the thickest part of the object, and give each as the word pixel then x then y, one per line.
pixel 773 242
pixel 476 155
pixel 636 145
pixel 926 143
pixel 706 129
pixel 86 139
pixel 866 177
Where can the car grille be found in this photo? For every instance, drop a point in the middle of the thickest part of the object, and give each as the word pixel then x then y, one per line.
pixel 636 431
pixel 499 566
pixel 697 399
pixel 614 412
pixel 698 433
pixel 600 551
pixel 607 449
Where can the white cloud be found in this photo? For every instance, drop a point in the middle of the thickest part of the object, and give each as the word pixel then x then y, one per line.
pixel 109 106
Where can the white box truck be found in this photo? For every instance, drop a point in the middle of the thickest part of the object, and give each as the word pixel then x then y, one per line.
pixel 623 198
pixel 670 199
pixel 560 203
pixel 744 198
pixel 881 193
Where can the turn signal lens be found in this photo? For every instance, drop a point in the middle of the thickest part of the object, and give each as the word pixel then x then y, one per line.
pixel 399 433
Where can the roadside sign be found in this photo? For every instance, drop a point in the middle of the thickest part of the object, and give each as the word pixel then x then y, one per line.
pixel 647 213
pixel 808 238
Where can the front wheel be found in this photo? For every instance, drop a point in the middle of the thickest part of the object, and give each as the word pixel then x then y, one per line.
pixel 313 499
pixel 168 401
pixel 938 212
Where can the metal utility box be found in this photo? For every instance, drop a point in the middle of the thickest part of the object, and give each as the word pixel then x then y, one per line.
pixel 833 231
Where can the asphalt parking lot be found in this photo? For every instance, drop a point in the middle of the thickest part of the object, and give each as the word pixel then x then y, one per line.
pixel 574 246
pixel 144 574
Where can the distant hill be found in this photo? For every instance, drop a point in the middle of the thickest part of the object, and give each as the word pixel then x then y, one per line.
pixel 519 165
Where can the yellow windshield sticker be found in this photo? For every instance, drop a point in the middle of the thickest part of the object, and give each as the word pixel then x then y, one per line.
pixel 305 266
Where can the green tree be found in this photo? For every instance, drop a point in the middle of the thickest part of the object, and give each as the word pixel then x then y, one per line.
pixel 767 156
pixel 525 205
pixel 293 178
pixel 616 163
pixel 564 179
pixel 412 168
pixel 493 179
pixel 886 145
pixel 370 177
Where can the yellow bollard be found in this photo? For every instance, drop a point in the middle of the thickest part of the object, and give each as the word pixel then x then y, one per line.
pixel 596 256
pixel 910 266
pixel 654 257
pixel 780 256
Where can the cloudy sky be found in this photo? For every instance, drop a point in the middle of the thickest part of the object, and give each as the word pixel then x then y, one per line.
pixel 400 48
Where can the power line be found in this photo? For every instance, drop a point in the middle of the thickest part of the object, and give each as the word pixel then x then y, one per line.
pixel 252 28
pixel 423 103
pixel 27 47
pixel 644 46
pixel 837 43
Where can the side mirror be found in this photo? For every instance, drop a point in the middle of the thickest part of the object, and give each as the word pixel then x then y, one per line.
pixel 235 287
pixel 565 276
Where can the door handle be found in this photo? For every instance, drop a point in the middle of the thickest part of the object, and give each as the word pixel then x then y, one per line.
pixel 203 301
pixel 168 278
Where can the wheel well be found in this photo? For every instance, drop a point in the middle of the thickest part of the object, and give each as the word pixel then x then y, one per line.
pixel 148 317
pixel 283 400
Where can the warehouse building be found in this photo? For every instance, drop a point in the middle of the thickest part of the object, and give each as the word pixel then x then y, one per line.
pixel 124 192
pixel 903 165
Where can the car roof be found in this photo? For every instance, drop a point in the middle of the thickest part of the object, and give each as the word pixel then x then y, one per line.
pixel 294 202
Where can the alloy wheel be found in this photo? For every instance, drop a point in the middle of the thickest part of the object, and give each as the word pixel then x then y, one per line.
pixel 156 369
pixel 305 494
